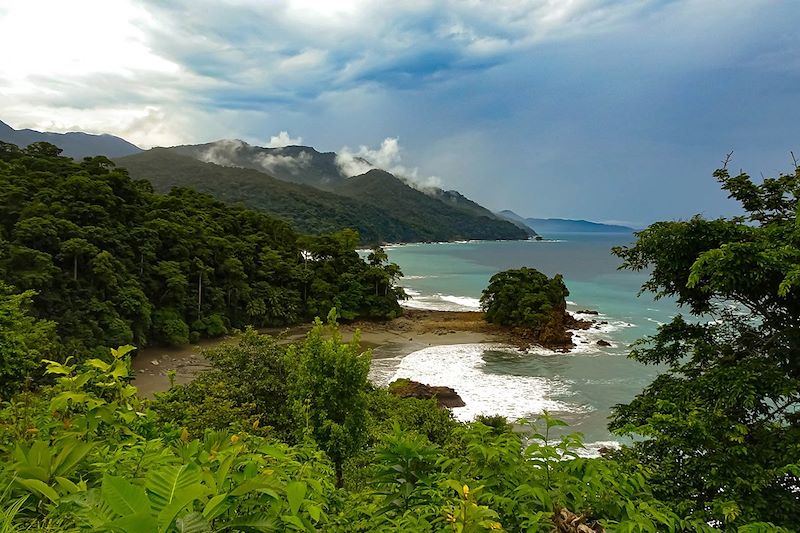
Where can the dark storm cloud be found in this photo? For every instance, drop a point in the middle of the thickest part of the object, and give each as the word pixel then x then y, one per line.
pixel 596 109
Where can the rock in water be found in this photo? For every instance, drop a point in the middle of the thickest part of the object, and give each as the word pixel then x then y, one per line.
pixel 602 342
pixel 445 396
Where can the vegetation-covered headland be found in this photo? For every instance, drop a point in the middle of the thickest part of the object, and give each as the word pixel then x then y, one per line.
pixel 532 306
pixel 112 262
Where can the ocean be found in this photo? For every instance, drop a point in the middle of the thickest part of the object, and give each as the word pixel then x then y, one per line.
pixel 579 387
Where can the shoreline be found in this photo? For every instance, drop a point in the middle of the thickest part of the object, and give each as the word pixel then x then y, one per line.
pixel 415 330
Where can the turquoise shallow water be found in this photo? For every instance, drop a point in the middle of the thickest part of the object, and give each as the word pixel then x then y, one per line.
pixel 579 387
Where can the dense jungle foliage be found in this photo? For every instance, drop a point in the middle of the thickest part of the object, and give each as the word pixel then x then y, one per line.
pixel 86 454
pixel 293 437
pixel 113 263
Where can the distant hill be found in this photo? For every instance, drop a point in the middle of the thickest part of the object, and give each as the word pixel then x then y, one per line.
pixel 306 165
pixel 386 210
pixel 76 145
pixel 545 226
pixel 427 214
pixel 518 221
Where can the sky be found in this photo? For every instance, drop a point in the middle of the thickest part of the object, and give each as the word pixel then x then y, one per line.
pixel 608 110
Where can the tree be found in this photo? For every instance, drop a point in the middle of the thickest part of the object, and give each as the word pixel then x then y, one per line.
pixel 722 423
pixel 248 382
pixel 523 297
pixel 329 391
pixel 24 340
pixel 77 249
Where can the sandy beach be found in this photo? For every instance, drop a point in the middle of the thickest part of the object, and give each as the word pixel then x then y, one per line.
pixel 415 330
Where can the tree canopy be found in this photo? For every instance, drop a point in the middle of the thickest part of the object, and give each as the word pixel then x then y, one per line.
pixel 523 297
pixel 722 423
pixel 113 262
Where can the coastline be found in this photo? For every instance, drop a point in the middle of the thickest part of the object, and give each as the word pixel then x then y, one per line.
pixel 415 330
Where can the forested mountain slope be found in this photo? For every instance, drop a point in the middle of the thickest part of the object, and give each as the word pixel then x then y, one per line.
pixel 434 219
pixel 323 170
pixel 308 209
pixel 381 207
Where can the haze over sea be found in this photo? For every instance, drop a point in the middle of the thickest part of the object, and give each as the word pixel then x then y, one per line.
pixel 579 387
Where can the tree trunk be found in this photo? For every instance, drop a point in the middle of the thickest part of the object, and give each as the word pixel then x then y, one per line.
pixel 199 293
pixel 339 475
pixel 75 268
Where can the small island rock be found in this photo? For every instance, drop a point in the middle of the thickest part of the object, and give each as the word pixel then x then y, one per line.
pixel 445 396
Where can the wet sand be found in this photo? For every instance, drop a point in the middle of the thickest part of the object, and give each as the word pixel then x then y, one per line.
pixel 415 330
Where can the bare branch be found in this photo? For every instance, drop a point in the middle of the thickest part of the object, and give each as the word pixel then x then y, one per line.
pixel 727 159
pixel 794 160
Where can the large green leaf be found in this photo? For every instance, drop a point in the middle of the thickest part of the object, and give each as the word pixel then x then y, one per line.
pixel 192 523
pixel 250 523
pixel 164 484
pixel 295 493
pixel 216 506
pixel 135 523
pixel 260 483
pixel 39 488
pixel 124 497
pixel 183 498
pixel 73 451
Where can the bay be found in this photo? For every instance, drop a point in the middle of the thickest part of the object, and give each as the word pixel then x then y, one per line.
pixel 579 387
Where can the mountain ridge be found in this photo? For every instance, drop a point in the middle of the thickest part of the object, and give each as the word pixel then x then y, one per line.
pixel 75 144
pixel 324 171
pixel 314 210
pixel 564 225
pixel 299 184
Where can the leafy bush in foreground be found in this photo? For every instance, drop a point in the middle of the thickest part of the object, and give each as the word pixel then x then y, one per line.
pixel 87 455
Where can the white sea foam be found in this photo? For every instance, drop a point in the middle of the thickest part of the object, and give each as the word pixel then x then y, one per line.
pixel 440 302
pixel 586 340
pixel 461 366
pixel 592 449
pixel 464 301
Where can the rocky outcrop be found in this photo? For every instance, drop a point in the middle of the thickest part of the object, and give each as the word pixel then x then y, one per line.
pixel 556 334
pixel 445 396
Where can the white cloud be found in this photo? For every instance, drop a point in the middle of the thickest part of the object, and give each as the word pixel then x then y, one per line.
pixel 270 162
pixel 232 153
pixel 283 139
pixel 386 157
pixel 223 152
